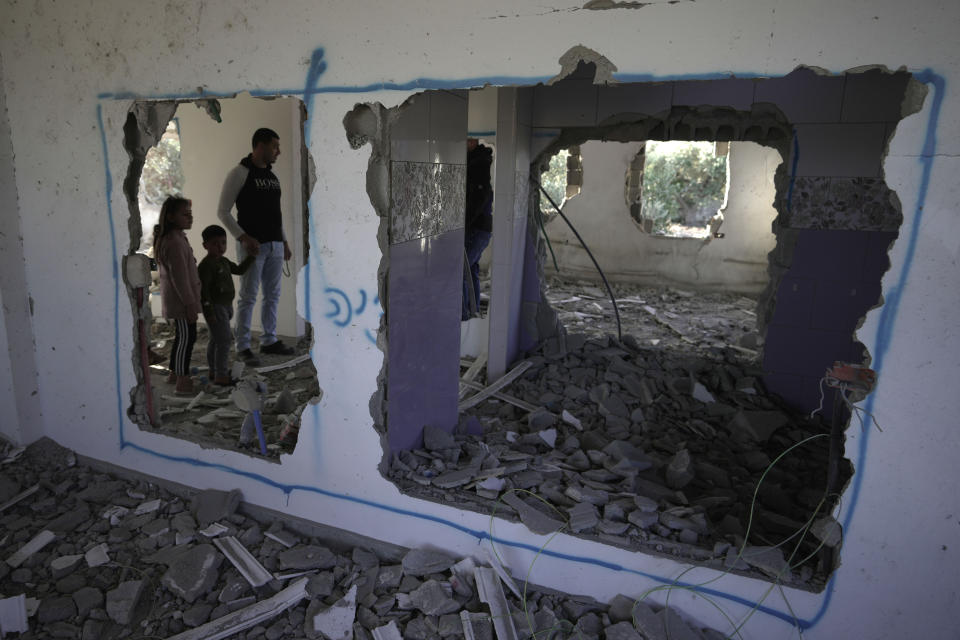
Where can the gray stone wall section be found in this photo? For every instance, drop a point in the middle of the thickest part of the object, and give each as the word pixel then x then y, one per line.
pixel 856 204
pixel 427 199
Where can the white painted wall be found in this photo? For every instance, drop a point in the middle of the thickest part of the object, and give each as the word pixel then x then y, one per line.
pixel 72 69
pixel 736 262
pixel 209 150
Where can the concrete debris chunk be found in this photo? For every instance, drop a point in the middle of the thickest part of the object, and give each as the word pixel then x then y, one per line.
pixel 622 631
pixel 13 615
pixel 700 393
pixel 476 626
pixel 306 557
pixel 436 439
pixel 235 622
pixel 621 609
pixel 769 560
pixel 212 505
pixel 122 601
pixel 491 594
pixel 194 572
pixel 828 531
pixel 282 537
pixel 679 472
pixel 248 566
pixel 549 436
pixel 147 507
pixel 535 519
pixel 56 609
pixel 215 529
pixel 335 622
pixel 571 420
pixel 35 544
pixel 23 495
pixel 87 599
pixel 422 562
pixel 583 516
pixel 432 599
pixel 64 565
pixel 97 556
pixel 388 631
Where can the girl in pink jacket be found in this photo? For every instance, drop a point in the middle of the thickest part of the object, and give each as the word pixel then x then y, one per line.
pixel 179 285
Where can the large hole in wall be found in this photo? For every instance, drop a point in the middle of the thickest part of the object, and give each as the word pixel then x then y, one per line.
pixel 186 149
pixel 656 442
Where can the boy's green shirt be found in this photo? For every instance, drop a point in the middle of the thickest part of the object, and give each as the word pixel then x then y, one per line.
pixel 216 281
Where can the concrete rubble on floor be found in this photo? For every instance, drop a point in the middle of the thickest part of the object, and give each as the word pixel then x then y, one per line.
pixel 153 587
pixel 211 418
pixel 648 449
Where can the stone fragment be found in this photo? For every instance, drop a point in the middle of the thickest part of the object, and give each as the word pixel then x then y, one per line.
pixel 436 439
pixel 540 420
pixel 623 450
pixel 64 565
pixel 285 402
pixel 450 625
pixel 305 557
pixel 87 599
pixel 454 478
pixel 97 556
pixel 421 562
pixel 769 560
pixel 102 492
pixel 828 531
pixel 578 460
pixel 432 599
pixel 570 419
pixel 534 519
pixel 700 393
pixel 56 609
pixel 145 508
pixel 332 623
pixel 643 519
pixel 679 471
pixel 122 601
pixel 92 630
pixel 70 520
pixel 583 516
pixel 212 505
pixel 549 436
pixel 388 578
pixel 194 572
pixel 621 609
pixel 586 494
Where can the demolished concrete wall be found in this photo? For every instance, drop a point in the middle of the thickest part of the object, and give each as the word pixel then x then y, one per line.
pixel 736 262
pixel 73 71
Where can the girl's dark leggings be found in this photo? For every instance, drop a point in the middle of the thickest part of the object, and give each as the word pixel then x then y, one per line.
pixel 183 346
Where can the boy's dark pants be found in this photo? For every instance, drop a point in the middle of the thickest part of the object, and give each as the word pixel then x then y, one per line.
pixel 221 337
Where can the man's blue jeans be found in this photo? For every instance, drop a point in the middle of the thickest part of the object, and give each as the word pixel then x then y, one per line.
pixel 474 242
pixel 266 270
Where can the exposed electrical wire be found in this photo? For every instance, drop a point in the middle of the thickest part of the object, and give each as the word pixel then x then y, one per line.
pixel 613 298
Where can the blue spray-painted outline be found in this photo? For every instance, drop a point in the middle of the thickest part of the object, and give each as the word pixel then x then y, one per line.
pixel 891 305
pixel 884 331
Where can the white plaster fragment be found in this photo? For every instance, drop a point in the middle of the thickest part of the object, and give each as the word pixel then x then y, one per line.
pixel 214 530
pixel 98 555
pixel 571 420
pixel 13 615
pixel 38 542
pixel 147 507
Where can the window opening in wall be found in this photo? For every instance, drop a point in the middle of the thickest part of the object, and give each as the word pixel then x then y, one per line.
pixel 562 179
pixel 656 442
pixel 682 186
pixel 191 156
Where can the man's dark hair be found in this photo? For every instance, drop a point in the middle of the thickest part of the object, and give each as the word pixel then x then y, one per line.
pixel 213 231
pixel 264 135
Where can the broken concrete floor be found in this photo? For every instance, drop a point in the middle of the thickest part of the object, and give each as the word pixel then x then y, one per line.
pixel 661 317
pixel 213 419
pixel 644 448
pixel 128 559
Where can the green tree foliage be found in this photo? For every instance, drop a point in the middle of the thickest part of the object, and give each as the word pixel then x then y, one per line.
pixel 554 181
pixel 680 181
pixel 162 172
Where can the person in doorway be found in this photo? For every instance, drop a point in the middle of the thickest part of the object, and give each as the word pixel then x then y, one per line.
pixel 479 222
pixel 216 296
pixel 179 285
pixel 255 191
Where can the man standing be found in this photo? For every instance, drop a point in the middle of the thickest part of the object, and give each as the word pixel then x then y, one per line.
pixel 479 222
pixel 255 190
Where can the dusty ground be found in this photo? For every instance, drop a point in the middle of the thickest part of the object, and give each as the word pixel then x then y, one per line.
pixel 214 420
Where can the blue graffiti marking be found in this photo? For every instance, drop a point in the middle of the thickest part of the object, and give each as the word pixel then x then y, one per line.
pixel 887 321
pixel 363 302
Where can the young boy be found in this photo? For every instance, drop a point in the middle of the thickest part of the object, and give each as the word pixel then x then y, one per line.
pixel 216 296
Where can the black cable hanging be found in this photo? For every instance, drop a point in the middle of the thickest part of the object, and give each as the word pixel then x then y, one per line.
pixel 613 298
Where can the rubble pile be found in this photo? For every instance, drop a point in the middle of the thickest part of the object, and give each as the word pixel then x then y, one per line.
pixel 643 449
pixel 89 556
pixel 663 317
pixel 212 419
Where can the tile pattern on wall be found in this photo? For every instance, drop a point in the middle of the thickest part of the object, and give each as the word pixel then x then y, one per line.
pixel 426 199
pixel 863 204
